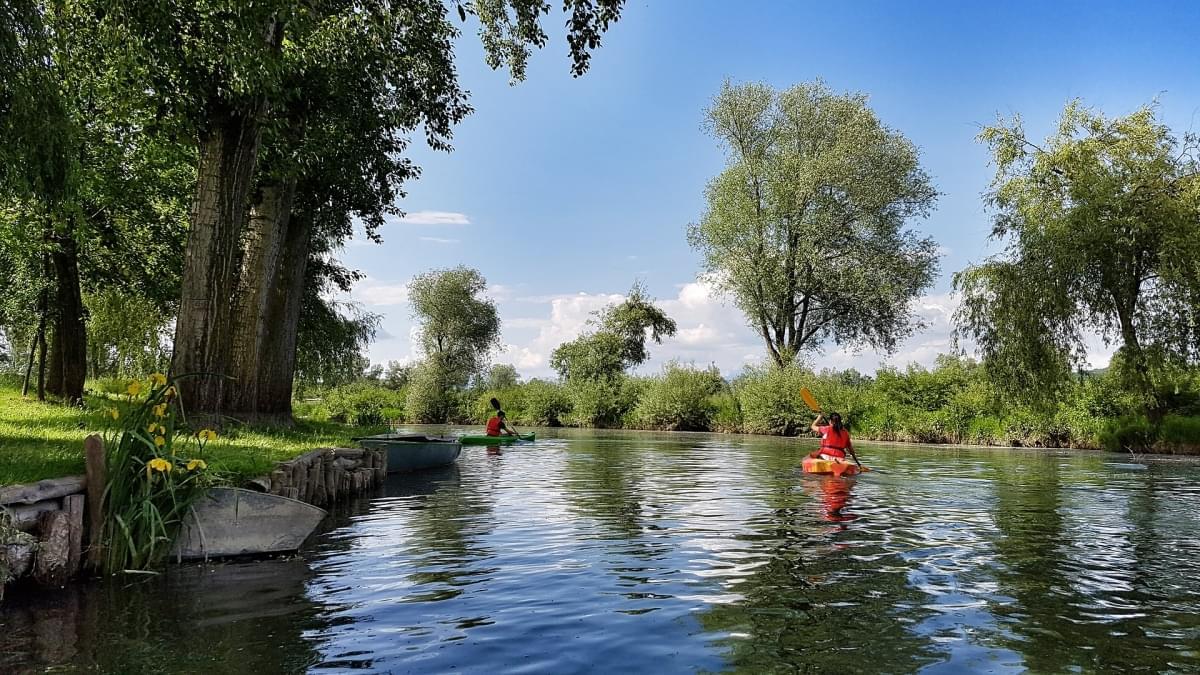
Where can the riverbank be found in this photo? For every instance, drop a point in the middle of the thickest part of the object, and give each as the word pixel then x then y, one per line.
pixel 45 440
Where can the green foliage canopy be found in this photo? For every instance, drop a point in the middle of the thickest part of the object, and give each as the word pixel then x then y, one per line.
pixel 805 226
pixel 1101 223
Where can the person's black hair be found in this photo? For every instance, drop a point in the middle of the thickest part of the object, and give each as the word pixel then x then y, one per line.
pixel 500 414
pixel 835 420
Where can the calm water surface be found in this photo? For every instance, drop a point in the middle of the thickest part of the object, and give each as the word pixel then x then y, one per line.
pixel 617 552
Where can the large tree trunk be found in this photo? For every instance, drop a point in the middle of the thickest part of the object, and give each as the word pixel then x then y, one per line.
pixel 261 271
pixel 228 156
pixel 68 347
pixel 278 369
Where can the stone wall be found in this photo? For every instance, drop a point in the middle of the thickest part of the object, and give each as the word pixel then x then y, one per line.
pixel 48 528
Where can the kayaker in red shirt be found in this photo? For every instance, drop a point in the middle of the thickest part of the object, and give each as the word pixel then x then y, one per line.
pixel 835 438
pixel 498 426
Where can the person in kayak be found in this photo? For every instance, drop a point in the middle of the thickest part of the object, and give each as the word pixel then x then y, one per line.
pixel 835 438
pixel 498 425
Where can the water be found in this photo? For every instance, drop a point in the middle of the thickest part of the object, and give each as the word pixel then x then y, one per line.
pixel 617 552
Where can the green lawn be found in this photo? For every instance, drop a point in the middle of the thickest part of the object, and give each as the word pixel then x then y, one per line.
pixel 45 440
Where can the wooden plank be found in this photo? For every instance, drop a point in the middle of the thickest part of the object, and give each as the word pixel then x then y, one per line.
pixel 73 506
pixel 97 480
pixel 349 453
pixel 54 549
pixel 51 488
pixel 25 517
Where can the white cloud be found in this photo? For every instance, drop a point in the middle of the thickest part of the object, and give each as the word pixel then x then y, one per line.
pixel 435 218
pixel 376 294
pixel 440 240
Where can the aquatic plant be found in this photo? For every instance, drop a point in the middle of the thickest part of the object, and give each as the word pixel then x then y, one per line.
pixel 155 473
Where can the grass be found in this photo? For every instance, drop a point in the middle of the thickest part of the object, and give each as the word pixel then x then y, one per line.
pixel 45 440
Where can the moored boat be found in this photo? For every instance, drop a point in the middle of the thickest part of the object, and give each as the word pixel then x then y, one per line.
pixel 231 521
pixel 414 452
pixel 480 439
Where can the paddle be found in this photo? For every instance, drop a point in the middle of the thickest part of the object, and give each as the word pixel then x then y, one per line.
pixel 812 404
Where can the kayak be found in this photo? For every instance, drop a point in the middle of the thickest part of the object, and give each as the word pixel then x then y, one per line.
pixel 494 440
pixel 813 465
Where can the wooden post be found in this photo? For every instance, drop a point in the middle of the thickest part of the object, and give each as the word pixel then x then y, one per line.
pixel 54 549
pixel 277 482
pixel 73 507
pixel 97 480
pixel 319 496
pixel 331 478
pixel 310 487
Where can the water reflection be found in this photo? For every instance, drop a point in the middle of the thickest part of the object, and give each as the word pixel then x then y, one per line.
pixel 241 617
pixel 615 552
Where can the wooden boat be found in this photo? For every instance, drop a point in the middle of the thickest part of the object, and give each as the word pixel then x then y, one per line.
pixel 414 452
pixel 231 521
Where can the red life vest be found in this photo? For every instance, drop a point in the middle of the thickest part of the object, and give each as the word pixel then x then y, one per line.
pixel 493 426
pixel 834 443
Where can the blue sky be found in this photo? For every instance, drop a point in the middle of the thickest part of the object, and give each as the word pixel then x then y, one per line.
pixel 563 191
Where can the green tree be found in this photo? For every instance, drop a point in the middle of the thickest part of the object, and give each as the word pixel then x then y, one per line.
pixel 499 376
pixel 804 228
pixel 617 341
pixel 459 327
pixel 1101 223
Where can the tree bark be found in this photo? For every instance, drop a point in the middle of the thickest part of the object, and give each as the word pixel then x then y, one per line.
pixel 68 347
pixel 261 271
pixel 278 369
pixel 228 156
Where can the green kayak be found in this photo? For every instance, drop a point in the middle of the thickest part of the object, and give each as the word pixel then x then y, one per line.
pixel 494 440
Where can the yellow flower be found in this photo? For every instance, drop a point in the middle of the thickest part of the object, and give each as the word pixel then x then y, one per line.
pixel 170 392
pixel 194 464
pixel 160 410
pixel 134 388
pixel 158 464
pixel 114 413
pixel 207 434
pixel 159 441
pixel 150 429
pixel 158 379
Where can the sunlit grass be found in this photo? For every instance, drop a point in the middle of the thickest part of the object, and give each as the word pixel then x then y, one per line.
pixel 45 440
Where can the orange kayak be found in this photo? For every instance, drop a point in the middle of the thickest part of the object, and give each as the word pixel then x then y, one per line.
pixel 814 465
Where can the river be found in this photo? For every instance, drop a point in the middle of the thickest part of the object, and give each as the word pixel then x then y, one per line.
pixel 641 552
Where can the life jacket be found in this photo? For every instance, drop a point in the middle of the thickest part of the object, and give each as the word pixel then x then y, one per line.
pixel 493 426
pixel 834 443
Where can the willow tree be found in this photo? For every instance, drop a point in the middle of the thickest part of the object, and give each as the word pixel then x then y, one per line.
pixel 458 327
pixel 806 227
pixel 1101 225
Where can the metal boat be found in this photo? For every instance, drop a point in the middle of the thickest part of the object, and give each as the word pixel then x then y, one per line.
pixel 231 521
pixel 414 452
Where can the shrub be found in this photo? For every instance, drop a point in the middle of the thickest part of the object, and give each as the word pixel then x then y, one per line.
pixel 363 404
pixel 1179 434
pixel 428 401
pixel 602 403
pixel 543 404
pixel 770 401
pixel 681 399
pixel 1130 433
pixel 727 414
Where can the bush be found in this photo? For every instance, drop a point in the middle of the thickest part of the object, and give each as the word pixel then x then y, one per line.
pixel 602 403
pixel 543 404
pixel 770 401
pixel 1131 433
pixel 1179 434
pixel 363 404
pixel 428 400
pixel 727 414
pixel 681 399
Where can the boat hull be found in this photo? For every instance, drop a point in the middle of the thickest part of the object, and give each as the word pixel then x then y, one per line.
pixel 495 440
pixel 414 453
pixel 232 521
pixel 825 466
